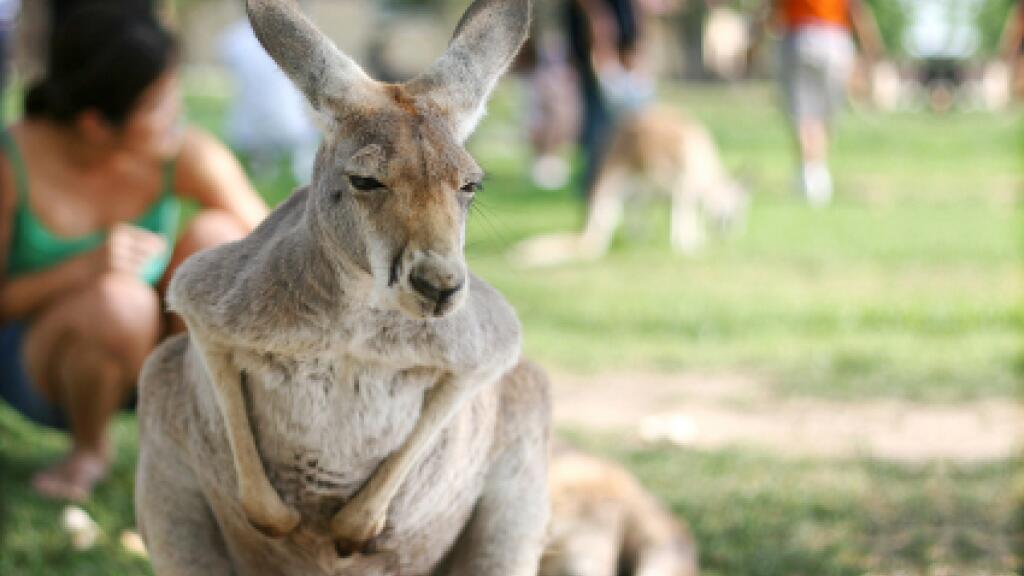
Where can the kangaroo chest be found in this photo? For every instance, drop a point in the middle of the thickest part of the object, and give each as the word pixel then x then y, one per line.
pixel 323 425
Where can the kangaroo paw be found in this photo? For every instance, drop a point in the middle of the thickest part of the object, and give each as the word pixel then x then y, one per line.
pixel 274 521
pixel 354 526
pixel 374 564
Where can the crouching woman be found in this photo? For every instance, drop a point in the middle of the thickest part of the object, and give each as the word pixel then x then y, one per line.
pixel 90 185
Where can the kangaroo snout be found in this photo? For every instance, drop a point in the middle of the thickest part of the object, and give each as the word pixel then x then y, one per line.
pixel 440 282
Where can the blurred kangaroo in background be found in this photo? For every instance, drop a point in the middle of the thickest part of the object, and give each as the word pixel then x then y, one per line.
pixel 350 400
pixel 674 153
pixel 603 523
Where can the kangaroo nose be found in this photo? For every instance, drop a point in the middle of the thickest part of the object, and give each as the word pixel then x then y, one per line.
pixel 437 290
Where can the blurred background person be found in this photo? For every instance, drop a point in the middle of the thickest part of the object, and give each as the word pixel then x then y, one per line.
pixel 552 109
pixel 1011 45
pixel 40 20
pixel 269 119
pixel 605 48
pixel 8 15
pixel 816 61
pixel 61 10
pixel 90 183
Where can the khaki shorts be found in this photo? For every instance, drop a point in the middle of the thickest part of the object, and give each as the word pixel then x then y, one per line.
pixel 816 66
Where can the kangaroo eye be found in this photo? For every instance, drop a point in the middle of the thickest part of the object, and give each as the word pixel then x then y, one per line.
pixel 472 187
pixel 365 183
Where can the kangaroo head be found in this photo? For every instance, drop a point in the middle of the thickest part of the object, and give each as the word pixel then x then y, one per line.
pixel 393 181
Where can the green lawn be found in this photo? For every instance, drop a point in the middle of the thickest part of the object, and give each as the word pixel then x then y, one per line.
pixel 908 286
pixel 755 515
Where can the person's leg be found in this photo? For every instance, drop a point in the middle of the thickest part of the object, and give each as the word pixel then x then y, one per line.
pixel 815 177
pixel 597 132
pixel 209 228
pixel 806 83
pixel 827 78
pixel 595 118
pixel 813 140
pixel 83 354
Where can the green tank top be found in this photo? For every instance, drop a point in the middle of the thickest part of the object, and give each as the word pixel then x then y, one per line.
pixel 33 248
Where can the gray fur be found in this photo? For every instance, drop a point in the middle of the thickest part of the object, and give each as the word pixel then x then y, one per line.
pixel 312 61
pixel 485 41
pixel 325 399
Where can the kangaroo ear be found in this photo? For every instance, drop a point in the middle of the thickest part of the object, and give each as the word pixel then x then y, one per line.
pixel 321 71
pixel 485 42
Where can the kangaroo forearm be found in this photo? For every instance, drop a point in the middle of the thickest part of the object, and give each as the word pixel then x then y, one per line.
pixel 369 508
pixel 24 296
pixel 442 402
pixel 261 503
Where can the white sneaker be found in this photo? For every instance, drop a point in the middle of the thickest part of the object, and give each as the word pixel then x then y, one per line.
pixel 816 181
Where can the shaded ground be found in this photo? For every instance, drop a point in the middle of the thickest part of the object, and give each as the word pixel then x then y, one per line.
pixel 713 412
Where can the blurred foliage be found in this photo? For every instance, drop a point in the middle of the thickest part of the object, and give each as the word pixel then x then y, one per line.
pixel 992 18
pixel 891 16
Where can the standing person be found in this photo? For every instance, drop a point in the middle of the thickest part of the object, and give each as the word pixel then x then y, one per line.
pixel 269 118
pixel 817 57
pixel 552 109
pixel 90 183
pixel 604 43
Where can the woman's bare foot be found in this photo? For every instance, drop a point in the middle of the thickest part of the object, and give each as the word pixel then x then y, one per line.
pixel 72 478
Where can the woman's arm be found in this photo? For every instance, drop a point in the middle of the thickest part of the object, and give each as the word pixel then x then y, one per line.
pixel 208 173
pixel 603 32
pixel 23 296
pixel 126 250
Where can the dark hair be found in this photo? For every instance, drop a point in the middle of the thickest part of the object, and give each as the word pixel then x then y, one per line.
pixel 101 58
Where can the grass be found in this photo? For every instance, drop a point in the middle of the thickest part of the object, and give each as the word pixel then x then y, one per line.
pixel 908 287
pixel 31 539
pixel 755 515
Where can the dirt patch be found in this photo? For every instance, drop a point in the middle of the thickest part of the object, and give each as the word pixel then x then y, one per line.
pixel 716 411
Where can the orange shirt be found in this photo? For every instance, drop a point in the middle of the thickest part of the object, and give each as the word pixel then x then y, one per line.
pixel 796 13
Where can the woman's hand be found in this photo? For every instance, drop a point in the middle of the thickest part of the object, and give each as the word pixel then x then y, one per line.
pixel 127 250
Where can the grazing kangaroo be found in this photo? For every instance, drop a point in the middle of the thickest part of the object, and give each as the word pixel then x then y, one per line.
pixel 605 524
pixel 676 154
pixel 350 399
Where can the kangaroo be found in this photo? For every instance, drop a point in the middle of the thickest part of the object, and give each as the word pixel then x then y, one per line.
pixel 350 399
pixel 675 153
pixel 605 524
